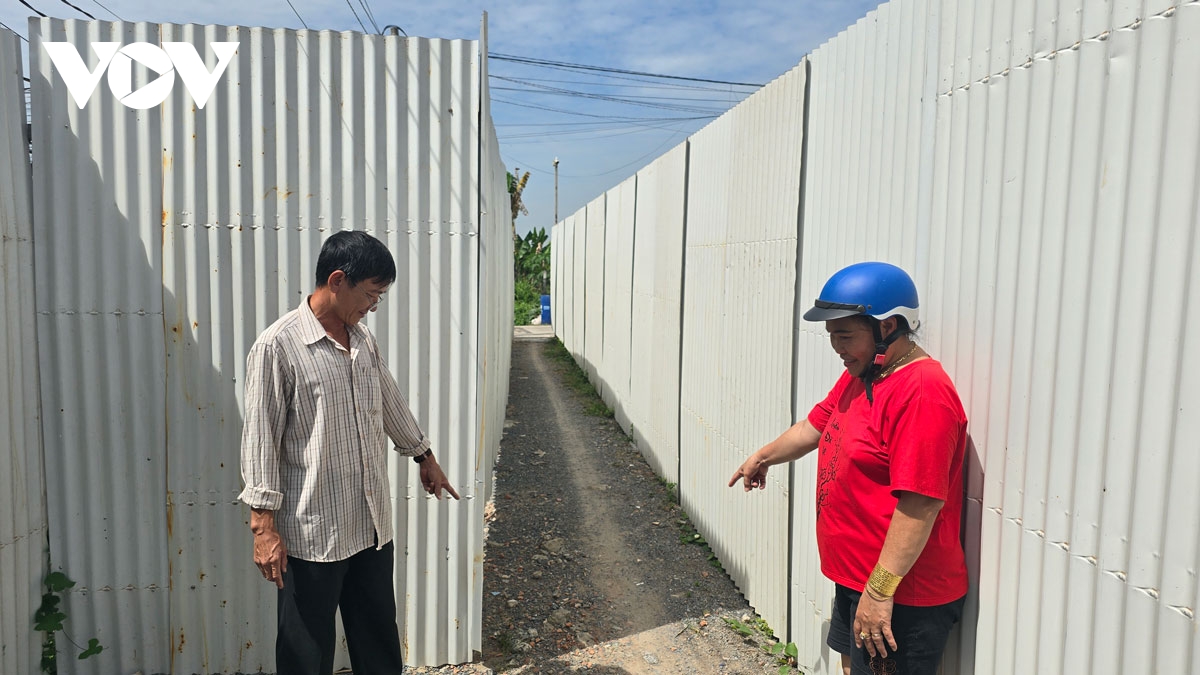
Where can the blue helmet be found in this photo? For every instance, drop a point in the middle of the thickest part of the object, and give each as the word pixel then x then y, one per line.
pixel 874 289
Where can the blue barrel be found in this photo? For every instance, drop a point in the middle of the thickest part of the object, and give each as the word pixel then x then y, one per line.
pixel 545 310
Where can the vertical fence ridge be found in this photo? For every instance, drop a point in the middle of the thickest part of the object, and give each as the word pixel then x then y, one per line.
pixel 1034 166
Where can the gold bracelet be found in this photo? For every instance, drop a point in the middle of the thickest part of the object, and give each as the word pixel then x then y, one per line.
pixel 873 596
pixel 882 582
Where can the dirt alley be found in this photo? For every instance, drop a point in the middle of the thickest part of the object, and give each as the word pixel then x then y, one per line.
pixel 590 564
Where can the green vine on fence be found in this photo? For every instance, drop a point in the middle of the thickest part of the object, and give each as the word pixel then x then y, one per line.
pixel 50 619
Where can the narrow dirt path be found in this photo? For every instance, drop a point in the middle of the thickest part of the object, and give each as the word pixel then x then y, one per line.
pixel 614 563
pixel 586 568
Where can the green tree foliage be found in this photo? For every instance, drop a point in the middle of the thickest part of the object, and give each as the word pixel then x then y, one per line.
pixel 531 274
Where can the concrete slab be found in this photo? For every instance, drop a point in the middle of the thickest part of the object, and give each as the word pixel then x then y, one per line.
pixel 533 333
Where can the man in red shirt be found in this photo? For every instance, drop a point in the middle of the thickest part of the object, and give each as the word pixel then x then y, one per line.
pixel 891 436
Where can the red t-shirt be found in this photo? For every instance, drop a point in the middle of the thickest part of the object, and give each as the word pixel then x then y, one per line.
pixel 912 439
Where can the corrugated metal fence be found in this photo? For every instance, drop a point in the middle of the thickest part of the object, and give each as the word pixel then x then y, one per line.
pixel 22 504
pixel 1036 166
pixel 166 240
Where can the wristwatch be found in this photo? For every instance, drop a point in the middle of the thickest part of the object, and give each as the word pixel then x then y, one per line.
pixel 424 456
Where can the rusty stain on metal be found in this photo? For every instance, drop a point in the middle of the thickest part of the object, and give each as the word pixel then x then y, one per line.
pixel 171 514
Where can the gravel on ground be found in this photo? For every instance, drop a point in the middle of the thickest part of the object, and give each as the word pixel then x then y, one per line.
pixel 591 566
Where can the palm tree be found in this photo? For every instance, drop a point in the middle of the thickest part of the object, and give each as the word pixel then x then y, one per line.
pixel 515 188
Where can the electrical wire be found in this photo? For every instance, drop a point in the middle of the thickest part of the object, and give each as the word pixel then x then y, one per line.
pixel 302 22
pixel 651 153
pixel 108 10
pixel 78 9
pixel 569 112
pixel 18 35
pixel 644 84
pixel 536 82
pixel 615 99
pixel 370 15
pixel 35 10
pixel 614 121
pixel 533 167
pixel 596 134
pixel 527 60
pixel 360 23
pixel 622 97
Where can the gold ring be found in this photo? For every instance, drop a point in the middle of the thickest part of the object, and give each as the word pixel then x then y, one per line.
pixel 876 635
pixel 862 636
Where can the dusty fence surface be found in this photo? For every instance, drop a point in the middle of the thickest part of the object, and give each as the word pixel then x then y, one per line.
pixel 158 243
pixel 1035 166
pixel 22 504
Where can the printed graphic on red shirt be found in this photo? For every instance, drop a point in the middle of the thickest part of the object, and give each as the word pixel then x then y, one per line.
pixel 827 467
pixel 911 439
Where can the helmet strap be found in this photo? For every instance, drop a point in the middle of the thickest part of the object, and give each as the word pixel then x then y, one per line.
pixel 881 346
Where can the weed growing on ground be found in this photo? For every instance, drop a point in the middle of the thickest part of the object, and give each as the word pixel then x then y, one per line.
pixel 577 380
pixel 689 535
pixel 672 494
pixel 785 654
pixel 505 642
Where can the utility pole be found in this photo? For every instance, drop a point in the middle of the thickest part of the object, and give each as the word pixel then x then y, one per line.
pixel 555 190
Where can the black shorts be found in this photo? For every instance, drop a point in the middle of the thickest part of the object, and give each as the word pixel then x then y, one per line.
pixel 920 632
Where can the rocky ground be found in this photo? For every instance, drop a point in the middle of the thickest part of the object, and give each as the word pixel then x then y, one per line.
pixel 591 565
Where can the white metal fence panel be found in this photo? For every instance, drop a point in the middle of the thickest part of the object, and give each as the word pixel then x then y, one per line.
pixel 495 292
pixel 556 270
pixel 100 300
pixel 657 310
pixel 618 297
pixel 202 227
pixel 1062 267
pixel 593 290
pixel 22 492
pixel 577 224
pixel 742 222
pixel 1035 166
pixel 565 304
pixel 862 199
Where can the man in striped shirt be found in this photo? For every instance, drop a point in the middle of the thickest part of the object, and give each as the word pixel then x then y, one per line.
pixel 320 407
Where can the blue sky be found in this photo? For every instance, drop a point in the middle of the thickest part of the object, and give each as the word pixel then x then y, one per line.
pixel 598 143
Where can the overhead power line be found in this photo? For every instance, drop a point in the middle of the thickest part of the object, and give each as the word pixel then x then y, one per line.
pixel 616 120
pixel 35 9
pixel 15 33
pixel 302 22
pixel 603 69
pixel 370 15
pixel 641 84
pixel 352 11
pixel 107 10
pixel 624 98
pixel 615 99
pixel 78 9
pixel 583 114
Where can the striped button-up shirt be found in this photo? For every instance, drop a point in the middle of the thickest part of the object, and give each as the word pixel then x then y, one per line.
pixel 314 444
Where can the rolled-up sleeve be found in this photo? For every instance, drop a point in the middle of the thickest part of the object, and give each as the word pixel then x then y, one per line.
pixel 398 421
pixel 268 394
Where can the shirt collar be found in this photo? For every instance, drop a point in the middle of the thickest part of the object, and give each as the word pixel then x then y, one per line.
pixel 312 332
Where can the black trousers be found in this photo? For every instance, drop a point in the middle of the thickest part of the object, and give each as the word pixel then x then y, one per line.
pixel 361 586
pixel 921 634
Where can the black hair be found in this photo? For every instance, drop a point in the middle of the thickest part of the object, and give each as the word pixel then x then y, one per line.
pixel 358 254
pixel 903 329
